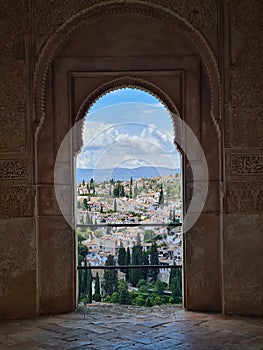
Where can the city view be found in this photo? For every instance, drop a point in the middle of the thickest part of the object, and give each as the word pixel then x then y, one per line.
pixel 129 214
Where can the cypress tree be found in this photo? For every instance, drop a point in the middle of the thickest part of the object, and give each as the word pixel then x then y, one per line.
pixel 136 274
pixel 89 286
pixel 85 203
pixel 110 277
pixel 131 181
pixel 127 262
pixel 145 261
pixel 161 197
pixel 175 282
pixel 122 257
pixel 154 261
pixel 97 296
pixel 115 205
pixel 124 297
pixel 84 281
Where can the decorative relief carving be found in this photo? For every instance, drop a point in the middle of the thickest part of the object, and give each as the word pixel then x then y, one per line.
pixel 244 197
pixel 13 169
pixel 16 237
pixel 246 82
pixel 158 13
pixel 202 15
pixel 245 165
pixel 15 202
pixel 13 82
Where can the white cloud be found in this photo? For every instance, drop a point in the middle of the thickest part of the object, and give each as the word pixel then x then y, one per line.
pixel 130 144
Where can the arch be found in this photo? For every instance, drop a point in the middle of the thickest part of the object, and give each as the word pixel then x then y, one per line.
pixel 42 99
pixel 120 83
pixel 143 8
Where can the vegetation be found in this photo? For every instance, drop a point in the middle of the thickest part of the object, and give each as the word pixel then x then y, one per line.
pixel 154 261
pixel 148 294
pixel 97 296
pixel 110 277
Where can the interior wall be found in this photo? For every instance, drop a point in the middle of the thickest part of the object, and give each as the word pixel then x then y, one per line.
pixel 231 29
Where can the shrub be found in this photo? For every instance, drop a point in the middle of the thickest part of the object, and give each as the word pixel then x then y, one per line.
pixel 97 297
pixel 171 300
pixel 148 302
pixel 115 297
pixel 157 300
pixel 107 299
pixel 139 301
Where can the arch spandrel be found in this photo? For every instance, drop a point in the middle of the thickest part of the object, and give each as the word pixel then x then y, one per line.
pixel 142 8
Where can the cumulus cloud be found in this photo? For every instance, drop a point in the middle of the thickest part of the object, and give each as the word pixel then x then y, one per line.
pixel 130 143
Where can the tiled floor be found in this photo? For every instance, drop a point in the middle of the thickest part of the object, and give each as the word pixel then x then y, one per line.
pixel 128 327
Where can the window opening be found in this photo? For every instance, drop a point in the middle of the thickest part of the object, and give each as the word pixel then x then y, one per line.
pixel 129 202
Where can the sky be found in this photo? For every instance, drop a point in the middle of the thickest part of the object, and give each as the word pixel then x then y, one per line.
pixel 128 128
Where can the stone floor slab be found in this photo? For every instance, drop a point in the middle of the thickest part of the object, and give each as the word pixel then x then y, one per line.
pixel 116 327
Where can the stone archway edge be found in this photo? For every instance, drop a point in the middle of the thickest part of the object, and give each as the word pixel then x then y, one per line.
pixel 108 8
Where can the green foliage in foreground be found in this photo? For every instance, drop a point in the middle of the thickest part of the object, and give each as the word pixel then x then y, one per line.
pixel 148 294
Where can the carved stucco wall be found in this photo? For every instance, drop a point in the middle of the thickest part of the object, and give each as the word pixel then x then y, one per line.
pixel 17 231
pixel 203 15
pixel 243 220
pixel 25 26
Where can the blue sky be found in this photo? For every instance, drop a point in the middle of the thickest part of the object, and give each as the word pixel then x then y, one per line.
pixel 128 128
pixel 123 96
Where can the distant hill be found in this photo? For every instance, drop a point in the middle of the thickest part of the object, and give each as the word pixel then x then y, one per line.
pixel 122 173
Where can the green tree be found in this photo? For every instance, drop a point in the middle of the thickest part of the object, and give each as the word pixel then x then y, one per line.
pixel 97 296
pixel 118 190
pixel 115 297
pixel 82 249
pixel 161 197
pixel 136 190
pixel 136 274
pixel 83 182
pixel 159 288
pixel 85 204
pixel 89 286
pixel 127 262
pixel 148 302
pixel 110 277
pixel 148 234
pixel 115 205
pixel 88 219
pixel 154 261
pixel 175 282
pixel 145 261
pixel 124 297
pixel 131 182
pixel 122 258
pixel 138 239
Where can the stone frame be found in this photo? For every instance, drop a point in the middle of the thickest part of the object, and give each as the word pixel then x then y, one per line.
pixel 158 13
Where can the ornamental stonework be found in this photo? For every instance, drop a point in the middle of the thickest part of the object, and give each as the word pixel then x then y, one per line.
pixel 13 82
pixel 202 16
pixel 15 202
pixel 244 124
pixel 13 169
pixel 244 198
pixel 248 166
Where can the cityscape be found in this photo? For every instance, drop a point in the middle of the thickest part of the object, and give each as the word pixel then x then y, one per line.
pixel 147 213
